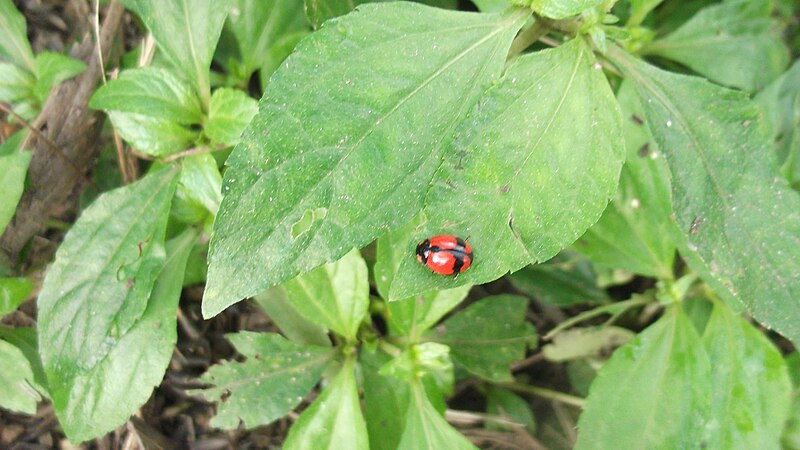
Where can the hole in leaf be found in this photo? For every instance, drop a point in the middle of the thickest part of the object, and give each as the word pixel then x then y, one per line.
pixel 308 219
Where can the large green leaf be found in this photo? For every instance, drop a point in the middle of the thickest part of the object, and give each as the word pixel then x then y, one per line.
pixel 741 221
pixel 99 284
pixel 273 381
pixel 14 46
pixel 13 169
pixel 532 167
pixel 652 393
pixel 335 295
pixel 487 336
pixel 735 43
pixel 261 29
pixel 426 428
pixel 90 403
pixel 349 133
pixel 151 91
pixel 16 381
pixel 187 32
pixel 334 420
pixel 641 208
pixel 752 393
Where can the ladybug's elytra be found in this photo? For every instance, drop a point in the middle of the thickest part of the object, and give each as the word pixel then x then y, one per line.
pixel 445 254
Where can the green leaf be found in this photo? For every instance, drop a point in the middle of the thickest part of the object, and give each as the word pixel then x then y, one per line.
pixel 741 221
pixel 578 343
pixel 14 46
pixel 532 167
pixel 13 291
pixel 13 169
pixel 335 295
pixel 334 420
pixel 229 113
pixel 292 324
pixel 639 9
pixel 503 403
pixel 25 340
pixel 152 136
pixel 51 69
pixel 271 382
pixel 426 428
pixel 187 32
pixel 735 43
pixel 199 186
pixel 93 402
pixel 492 6
pixel 16 377
pixel 319 11
pixel 566 280
pixel 150 91
pixel 641 396
pixel 13 143
pixel 343 81
pixel 429 361
pixel 413 316
pixel 487 336
pixel 386 400
pixel 99 284
pixel 641 207
pixel 751 398
pixel 16 85
pixel 779 100
pixel 261 27
pixel 560 9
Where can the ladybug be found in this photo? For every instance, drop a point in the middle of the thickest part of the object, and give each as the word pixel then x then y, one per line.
pixel 445 254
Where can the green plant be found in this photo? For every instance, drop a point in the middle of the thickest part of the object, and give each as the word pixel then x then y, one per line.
pixel 579 168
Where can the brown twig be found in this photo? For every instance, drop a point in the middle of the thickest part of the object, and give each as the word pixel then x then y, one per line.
pixel 50 144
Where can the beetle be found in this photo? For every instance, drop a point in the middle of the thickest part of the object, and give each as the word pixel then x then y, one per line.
pixel 445 254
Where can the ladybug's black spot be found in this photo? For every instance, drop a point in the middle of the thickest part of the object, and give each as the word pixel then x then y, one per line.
pixel 423 250
pixel 458 264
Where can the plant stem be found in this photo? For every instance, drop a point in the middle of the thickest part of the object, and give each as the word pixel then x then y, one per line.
pixel 526 38
pixel 614 308
pixel 549 394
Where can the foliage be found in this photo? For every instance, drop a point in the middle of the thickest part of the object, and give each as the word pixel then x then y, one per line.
pixel 590 182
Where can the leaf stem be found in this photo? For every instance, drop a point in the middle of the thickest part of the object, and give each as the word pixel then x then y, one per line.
pixel 614 308
pixel 526 38
pixel 549 394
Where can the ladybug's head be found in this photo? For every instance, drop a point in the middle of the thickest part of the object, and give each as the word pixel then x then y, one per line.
pixel 423 251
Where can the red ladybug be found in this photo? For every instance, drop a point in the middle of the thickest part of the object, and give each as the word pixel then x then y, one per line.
pixel 445 254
